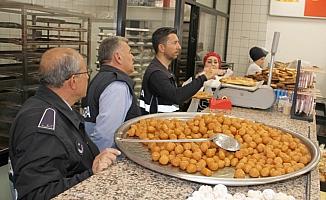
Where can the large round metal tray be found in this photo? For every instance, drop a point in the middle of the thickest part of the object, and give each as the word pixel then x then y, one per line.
pixel 141 155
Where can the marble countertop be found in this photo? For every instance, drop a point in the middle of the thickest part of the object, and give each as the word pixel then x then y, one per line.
pixel 128 180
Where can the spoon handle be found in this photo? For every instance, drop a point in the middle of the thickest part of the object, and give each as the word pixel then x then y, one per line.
pixel 174 140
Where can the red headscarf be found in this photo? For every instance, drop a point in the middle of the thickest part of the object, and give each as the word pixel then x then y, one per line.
pixel 212 53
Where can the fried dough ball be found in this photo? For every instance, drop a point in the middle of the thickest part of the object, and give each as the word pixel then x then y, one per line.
pixel 254 172
pixel 164 160
pixel 264 172
pixel 278 160
pixel 221 164
pixel 227 162
pixel 187 153
pixel 210 152
pixel 234 162
pixel 204 146
pixel 179 149
pixel 207 172
pixel 156 149
pixel 187 146
pixel 247 168
pixel 156 156
pixel 197 155
pixel 212 166
pixel 164 152
pixel 201 164
pixel 275 172
pixel 221 154
pixel 183 164
pixel 191 168
pixel 175 161
pixel 239 173
pixel 289 169
pixel 132 131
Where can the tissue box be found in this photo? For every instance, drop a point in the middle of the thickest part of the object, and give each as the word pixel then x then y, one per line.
pixel 223 103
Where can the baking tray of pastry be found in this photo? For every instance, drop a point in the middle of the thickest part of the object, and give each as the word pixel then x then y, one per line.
pixel 242 87
pixel 142 156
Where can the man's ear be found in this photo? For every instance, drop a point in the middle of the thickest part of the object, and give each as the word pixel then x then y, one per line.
pixel 72 82
pixel 117 57
pixel 161 48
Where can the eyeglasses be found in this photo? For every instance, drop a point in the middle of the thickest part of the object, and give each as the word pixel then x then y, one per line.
pixel 89 72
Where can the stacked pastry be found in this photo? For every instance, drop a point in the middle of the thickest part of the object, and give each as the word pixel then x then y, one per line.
pixel 282 78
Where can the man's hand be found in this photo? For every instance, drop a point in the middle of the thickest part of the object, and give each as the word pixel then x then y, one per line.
pixel 104 159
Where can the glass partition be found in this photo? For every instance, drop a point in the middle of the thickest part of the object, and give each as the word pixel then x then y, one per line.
pixel 222 5
pixel 208 3
pixel 142 19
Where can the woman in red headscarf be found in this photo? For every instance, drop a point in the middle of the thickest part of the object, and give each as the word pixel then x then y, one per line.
pixel 214 61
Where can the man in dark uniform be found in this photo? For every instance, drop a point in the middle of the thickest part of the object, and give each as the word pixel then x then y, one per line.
pixel 110 97
pixel 159 90
pixel 49 150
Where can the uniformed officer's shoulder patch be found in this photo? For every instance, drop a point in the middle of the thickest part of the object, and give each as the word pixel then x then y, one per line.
pixel 48 119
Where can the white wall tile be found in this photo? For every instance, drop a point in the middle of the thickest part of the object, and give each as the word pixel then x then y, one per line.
pixel 245 26
pixel 236 34
pixel 254 26
pixel 247 2
pixel 246 17
pixel 255 17
pixel 247 9
pixel 253 35
pixel 238 17
pixel 256 9
pixel 256 2
pixel 262 27
pixel 236 43
pixel 232 8
pixel 237 25
pixel 241 2
pixel 243 51
pixel 263 18
pixel 264 2
pixel 262 35
pixel 245 34
pixel 263 10
pixel 238 8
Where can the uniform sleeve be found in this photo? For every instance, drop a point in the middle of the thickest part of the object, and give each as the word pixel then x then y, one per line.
pixel 40 165
pixel 162 86
pixel 114 103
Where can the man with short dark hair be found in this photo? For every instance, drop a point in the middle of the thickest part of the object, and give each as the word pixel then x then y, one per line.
pixel 49 151
pixel 110 98
pixel 159 90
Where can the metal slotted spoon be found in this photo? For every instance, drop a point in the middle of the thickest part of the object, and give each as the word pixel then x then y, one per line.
pixel 224 141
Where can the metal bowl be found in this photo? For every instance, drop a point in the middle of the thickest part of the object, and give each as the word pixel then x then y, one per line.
pixel 141 155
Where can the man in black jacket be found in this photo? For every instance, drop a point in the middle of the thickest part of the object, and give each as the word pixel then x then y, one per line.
pixel 49 150
pixel 159 90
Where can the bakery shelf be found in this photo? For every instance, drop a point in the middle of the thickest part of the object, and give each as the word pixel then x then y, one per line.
pixel 38 29
pixel 57 29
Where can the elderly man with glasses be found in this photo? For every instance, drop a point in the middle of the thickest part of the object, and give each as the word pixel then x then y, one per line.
pixel 49 150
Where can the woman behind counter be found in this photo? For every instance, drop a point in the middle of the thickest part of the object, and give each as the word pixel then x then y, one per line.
pixel 214 61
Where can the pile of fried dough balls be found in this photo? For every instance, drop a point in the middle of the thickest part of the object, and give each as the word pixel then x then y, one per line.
pixel 265 151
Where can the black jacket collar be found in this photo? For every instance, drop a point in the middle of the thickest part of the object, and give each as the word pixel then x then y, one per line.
pixel 161 67
pixel 57 102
